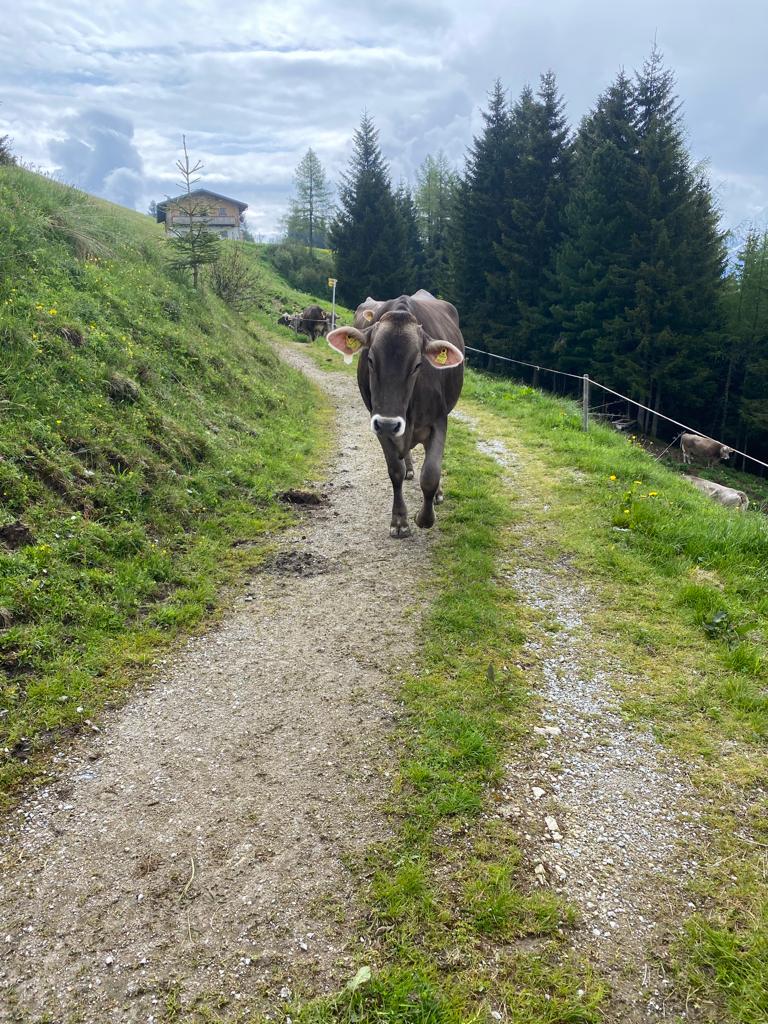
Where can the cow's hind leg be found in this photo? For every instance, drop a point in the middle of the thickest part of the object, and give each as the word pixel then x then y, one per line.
pixel 430 475
pixel 398 526
pixel 408 466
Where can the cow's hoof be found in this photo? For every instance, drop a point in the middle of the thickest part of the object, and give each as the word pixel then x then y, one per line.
pixel 425 520
pixel 399 527
pixel 439 498
pixel 409 474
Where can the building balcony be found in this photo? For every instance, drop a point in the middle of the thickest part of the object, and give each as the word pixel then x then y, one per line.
pixel 180 220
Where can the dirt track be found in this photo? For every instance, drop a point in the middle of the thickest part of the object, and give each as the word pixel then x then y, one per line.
pixel 198 844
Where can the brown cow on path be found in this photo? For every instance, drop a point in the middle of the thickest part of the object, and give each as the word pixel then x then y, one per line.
pixel 710 451
pixel 410 375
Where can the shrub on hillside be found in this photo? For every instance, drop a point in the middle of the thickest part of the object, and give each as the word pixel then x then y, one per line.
pixel 6 155
pixel 308 273
pixel 232 279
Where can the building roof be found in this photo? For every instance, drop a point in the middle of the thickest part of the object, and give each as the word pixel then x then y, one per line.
pixel 203 192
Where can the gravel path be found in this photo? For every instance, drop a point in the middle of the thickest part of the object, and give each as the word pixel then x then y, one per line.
pixel 197 845
pixel 607 817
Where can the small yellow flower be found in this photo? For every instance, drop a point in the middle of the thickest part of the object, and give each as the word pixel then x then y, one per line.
pixel 653 494
pixel 51 312
pixel 626 511
pixel 58 422
pixel 612 476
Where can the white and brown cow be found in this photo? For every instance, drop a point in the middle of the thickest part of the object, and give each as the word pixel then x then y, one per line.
pixel 410 375
pixel 704 448
pixel 727 496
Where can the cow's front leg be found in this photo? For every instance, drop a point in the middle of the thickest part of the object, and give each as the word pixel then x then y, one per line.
pixel 430 474
pixel 396 465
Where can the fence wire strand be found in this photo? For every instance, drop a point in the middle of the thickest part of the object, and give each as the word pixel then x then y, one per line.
pixel 618 394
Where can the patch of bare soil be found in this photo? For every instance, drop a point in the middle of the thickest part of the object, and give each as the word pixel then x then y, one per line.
pixel 607 818
pixel 199 844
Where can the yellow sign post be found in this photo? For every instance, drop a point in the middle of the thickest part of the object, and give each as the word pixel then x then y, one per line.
pixel 332 284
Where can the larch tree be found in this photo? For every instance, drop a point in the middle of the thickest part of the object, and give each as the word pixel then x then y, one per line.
pixel 311 206
pixel 193 244
pixel 436 183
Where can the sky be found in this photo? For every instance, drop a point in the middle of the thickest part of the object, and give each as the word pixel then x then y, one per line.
pixel 100 94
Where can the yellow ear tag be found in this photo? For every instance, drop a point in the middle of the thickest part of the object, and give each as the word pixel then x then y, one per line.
pixel 442 356
pixel 353 343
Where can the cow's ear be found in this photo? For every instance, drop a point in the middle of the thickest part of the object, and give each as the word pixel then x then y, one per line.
pixel 347 340
pixel 442 354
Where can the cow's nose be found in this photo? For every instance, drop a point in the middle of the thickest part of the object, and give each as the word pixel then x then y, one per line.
pixel 394 426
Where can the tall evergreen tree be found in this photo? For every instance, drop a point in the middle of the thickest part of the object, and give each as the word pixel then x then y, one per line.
pixel 744 414
pixel 367 234
pixel 594 283
pixel 674 321
pixel 310 208
pixel 413 251
pixel 539 162
pixel 475 226
pixel 435 187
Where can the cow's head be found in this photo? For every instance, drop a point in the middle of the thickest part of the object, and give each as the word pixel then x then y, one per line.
pixel 725 451
pixel 395 347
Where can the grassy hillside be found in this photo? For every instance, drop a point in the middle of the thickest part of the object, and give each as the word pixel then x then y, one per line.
pixel 144 433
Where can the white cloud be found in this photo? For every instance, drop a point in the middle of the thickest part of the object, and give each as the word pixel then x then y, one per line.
pixel 255 85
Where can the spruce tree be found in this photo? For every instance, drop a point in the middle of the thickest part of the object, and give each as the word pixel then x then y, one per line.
pixel 413 252
pixel 367 235
pixel 674 322
pixel 594 283
pixel 744 414
pixel 539 162
pixel 475 224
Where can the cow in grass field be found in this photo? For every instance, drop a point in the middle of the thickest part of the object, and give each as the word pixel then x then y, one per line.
pixel 727 496
pixel 704 448
pixel 410 372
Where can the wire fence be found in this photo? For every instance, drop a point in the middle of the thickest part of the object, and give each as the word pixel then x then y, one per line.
pixel 584 387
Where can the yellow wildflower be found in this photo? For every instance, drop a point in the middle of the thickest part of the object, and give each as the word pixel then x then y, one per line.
pixel 51 312
pixel 612 476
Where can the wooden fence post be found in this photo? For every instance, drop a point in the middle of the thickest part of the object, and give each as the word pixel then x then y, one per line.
pixel 585 403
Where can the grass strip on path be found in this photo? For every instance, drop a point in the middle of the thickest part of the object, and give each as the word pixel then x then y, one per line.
pixel 450 907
